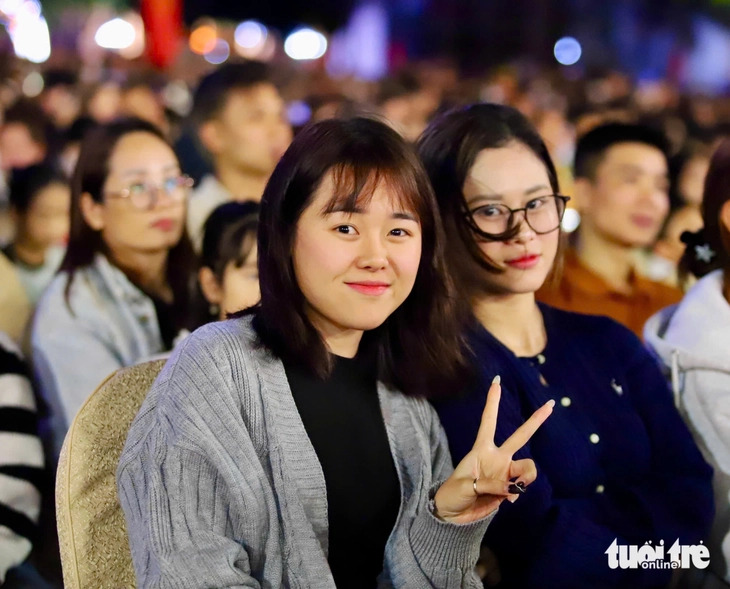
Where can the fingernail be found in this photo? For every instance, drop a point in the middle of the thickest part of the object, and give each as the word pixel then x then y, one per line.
pixel 517 488
pixel 551 403
pixel 513 498
pixel 497 379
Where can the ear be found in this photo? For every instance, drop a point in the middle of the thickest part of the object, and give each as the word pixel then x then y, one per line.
pixel 92 211
pixel 212 291
pixel 725 215
pixel 210 136
pixel 583 191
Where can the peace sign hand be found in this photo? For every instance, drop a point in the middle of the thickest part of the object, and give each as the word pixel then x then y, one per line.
pixel 482 479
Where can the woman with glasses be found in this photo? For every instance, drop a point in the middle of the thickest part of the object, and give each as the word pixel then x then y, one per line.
pixel 121 293
pixel 617 465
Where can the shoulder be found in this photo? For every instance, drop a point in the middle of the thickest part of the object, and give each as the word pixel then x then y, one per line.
pixel 595 334
pixel 663 294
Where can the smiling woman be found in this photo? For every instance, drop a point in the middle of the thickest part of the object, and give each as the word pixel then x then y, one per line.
pixel 277 448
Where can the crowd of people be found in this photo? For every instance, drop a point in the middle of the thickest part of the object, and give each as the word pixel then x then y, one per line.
pixel 392 358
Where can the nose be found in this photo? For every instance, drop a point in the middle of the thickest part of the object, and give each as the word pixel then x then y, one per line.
pixel 525 232
pixel 373 254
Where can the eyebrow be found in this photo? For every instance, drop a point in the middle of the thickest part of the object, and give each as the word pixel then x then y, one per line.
pixel 528 192
pixel 359 211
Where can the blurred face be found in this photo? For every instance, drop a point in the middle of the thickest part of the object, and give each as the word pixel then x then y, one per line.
pixel 692 179
pixel 628 200
pixel 17 148
pixel 251 132
pixel 46 222
pixel 141 162
pixel 513 176
pixel 355 268
pixel 240 285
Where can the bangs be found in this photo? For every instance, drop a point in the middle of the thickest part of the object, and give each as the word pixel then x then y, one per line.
pixel 353 187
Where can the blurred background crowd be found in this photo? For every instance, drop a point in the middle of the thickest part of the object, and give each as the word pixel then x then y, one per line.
pixel 215 91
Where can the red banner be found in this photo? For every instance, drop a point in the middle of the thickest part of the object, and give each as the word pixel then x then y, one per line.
pixel 164 30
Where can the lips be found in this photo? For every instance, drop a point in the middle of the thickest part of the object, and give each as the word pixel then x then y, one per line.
pixel 523 262
pixel 164 224
pixel 643 221
pixel 369 287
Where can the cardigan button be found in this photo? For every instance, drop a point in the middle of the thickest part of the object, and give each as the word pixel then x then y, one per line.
pixel 565 401
pixel 600 489
pixel 594 438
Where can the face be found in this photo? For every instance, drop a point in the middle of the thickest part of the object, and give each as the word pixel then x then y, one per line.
pixel 355 269
pixel 138 158
pixel 251 132
pixel 17 148
pixel 628 200
pixel 513 176
pixel 240 285
pixel 46 222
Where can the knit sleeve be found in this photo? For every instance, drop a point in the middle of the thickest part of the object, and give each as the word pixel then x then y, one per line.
pixel 175 486
pixel 21 460
pixel 438 554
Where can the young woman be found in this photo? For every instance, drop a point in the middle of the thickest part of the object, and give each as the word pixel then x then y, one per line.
pixel 121 293
pixel 275 448
pixel 616 462
pixel 228 278
pixel 39 199
pixel 691 338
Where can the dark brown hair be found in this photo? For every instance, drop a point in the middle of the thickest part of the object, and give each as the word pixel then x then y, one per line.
pixel 448 148
pixel 714 234
pixel 419 348
pixel 89 177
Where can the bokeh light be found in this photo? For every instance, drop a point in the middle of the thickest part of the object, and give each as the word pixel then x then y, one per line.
pixel 220 52
pixel 203 39
pixel 115 34
pixel 567 51
pixel 305 43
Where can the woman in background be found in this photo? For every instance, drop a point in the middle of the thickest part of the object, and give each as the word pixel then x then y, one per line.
pixel 692 339
pixel 228 279
pixel 121 293
pixel 40 198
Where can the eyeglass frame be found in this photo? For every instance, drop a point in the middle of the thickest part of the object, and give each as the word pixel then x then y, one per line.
pixel 510 227
pixel 185 183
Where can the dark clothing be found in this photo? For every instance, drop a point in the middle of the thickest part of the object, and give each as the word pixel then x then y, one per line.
pixel 614 460
pixel 166 320
pixel 344 422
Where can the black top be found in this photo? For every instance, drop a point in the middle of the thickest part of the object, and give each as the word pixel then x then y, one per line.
pixel 344 422
pixel 166 320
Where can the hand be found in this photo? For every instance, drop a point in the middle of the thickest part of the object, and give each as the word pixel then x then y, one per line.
pixel 490 466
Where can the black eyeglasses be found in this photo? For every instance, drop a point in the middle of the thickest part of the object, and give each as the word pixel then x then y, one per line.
pixel 144 195
pixel 542 214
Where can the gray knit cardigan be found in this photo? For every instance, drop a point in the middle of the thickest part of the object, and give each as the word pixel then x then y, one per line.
pixel 221 486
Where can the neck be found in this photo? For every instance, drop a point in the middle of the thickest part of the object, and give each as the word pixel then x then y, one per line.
pixel 28 252
pixel 515 320
pixel 611 261
pixel 147 270
pixel 242 185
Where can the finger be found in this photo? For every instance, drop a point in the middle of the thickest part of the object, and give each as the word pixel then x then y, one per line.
pixel 487 486
pixel 523 470
pixel 527 429
pixel 488 425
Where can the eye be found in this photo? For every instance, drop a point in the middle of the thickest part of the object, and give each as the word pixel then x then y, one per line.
pixel 171 184
pixel 137 188
pixel 399 232
pixel 345 229
pixel 537 203
pixel 491 211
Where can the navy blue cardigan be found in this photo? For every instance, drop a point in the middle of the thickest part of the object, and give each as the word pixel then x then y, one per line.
pixel 615 460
